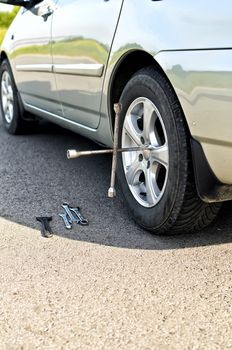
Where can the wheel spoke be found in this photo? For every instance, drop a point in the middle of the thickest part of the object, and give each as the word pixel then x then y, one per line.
pixel 7 97
pixel 160 155
pixel 10 93
pixel 4 89
pixel 131 131
pixel 152 190
pixel 148 120
pixel 4 102
pixel 10 110
pixel 133 172
pixel 8 82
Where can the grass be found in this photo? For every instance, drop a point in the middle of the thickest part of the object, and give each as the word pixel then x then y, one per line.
pixel 2 34
pixel 5 20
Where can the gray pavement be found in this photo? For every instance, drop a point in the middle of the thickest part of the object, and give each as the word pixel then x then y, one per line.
pixel 111 285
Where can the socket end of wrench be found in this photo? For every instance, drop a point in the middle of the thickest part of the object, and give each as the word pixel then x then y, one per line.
pixel 111 192
pixel 72 153
pixel 117 108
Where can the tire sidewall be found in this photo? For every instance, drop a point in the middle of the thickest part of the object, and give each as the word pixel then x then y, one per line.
pixel 12 126
pixel 167 209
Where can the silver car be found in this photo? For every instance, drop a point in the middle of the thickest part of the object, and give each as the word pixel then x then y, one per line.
pixel 169 64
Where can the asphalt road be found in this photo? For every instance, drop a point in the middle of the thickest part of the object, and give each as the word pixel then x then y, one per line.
pixel 110 285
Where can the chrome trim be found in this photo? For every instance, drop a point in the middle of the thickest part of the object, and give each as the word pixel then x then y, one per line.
pixel 86 69
pixel 61 118
pixel 92 69
pixel 34 67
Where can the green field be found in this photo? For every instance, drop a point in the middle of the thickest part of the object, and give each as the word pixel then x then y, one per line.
pixel 5 20
pixel 2 33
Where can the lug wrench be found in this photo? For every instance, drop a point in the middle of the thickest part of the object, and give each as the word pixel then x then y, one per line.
pixel 71 154
pixel 112 190
pixel 75 154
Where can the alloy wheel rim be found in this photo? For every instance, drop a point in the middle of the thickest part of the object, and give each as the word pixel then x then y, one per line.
pixel 146 171
pixel 7 97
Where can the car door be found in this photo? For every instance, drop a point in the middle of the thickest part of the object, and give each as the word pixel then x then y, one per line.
pixel 31 36
pixel 82 34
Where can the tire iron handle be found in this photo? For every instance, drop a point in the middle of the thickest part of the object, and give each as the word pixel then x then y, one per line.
pixel 112 190
pixel 72 153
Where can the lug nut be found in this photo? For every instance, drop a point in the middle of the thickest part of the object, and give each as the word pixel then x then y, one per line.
pixel 140 157
pixel 142 140
pixel 148 164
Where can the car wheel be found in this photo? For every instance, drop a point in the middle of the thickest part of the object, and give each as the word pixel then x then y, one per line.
pixel 158 182
pixel 9 103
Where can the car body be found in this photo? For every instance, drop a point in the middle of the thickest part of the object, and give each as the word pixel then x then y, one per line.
pixel 72 59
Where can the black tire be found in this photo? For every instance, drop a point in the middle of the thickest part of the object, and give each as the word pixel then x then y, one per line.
pixel 16 123
pixel 179 209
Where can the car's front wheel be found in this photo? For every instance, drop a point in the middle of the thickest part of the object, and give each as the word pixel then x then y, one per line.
pixel 158 182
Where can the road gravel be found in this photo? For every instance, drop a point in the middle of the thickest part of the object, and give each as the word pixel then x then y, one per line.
pixel 110 285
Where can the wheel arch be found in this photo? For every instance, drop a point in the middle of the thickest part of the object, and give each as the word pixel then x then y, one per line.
pixel 3 56
pixel 127 66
